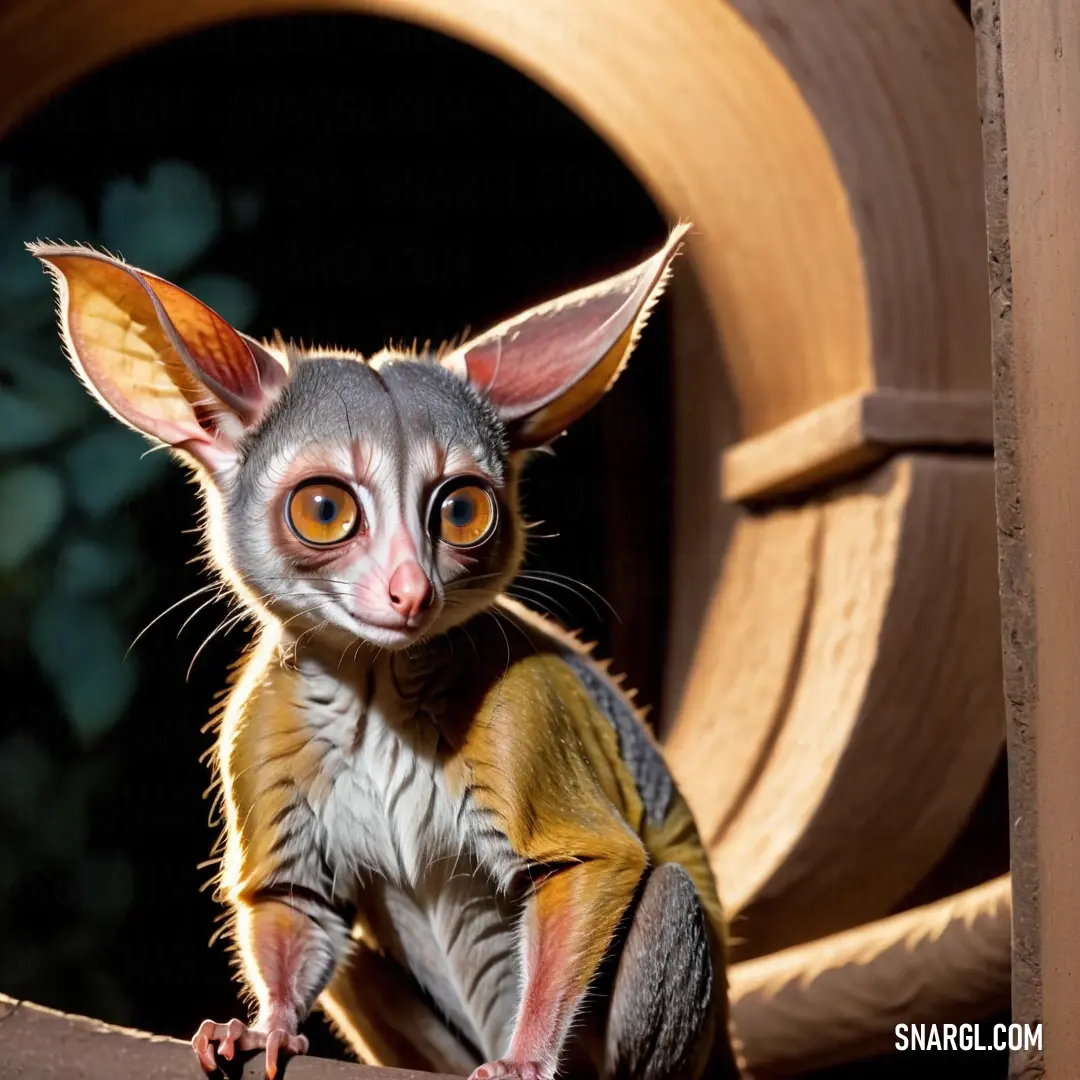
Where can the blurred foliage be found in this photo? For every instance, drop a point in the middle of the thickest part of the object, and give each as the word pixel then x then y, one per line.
pixel 74 571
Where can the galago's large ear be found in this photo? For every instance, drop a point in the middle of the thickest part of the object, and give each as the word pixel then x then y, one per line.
pixel 545 368
pixel 158 358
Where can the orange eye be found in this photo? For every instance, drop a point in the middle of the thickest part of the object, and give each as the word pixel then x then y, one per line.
pixel 322 513
pixel 467 515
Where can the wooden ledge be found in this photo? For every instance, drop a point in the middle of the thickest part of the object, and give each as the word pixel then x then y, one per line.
pixel 838 999
pixel 49 1045
pixel 850 433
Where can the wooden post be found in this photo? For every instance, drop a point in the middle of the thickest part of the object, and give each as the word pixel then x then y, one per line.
pixel 1029 84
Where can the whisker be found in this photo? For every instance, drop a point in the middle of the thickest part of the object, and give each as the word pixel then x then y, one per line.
pixel 569 588
pixel 171 607
pixel 495 616
pixel 502 617
pixel 307 611
pixel 471 640
pixel 314 577
pixel 201 607
pixel 472 578
pixel 312 631
pixel 554 577
pixel 226 625
pixel 530 535
pixel 541 596
pixel 348 646
pixel 549 577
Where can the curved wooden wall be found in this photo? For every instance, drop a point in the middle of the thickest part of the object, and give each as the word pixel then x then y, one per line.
pixel 835 656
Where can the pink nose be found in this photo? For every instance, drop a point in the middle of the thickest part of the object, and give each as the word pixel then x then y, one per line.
pixel 410 590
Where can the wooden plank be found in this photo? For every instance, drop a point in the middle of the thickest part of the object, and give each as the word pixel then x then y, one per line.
pixel 850 433
pixel 1029 87
pixel 839 999
pixel 44 1044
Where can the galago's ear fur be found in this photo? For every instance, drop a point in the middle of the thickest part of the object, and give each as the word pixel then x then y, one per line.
pixel 548 366
pixel 156 357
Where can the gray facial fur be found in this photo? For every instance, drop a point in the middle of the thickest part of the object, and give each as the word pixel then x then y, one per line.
pixel 404 406
pixel 338 398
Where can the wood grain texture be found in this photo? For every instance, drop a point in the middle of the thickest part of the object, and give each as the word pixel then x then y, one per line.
pixel 1017 596
pixel 1030 92
pixel 895 717
pixel 748 656
pixel 44 1044
pixel 850 433
pixel 839 998
pixel 892 87
pixel 704 416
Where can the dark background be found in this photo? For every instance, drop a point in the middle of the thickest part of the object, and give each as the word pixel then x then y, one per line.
pixel 407 187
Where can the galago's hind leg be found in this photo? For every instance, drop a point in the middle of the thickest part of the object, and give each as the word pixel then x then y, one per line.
pixel 668 1018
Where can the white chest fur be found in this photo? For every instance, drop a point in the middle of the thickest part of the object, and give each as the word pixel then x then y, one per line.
pixel 400 845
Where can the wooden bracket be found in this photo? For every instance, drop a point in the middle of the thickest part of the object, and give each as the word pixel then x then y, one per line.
pixel 851 433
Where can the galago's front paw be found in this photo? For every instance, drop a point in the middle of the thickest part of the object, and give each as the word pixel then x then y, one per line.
pixel 225 1039
pixel 509 1070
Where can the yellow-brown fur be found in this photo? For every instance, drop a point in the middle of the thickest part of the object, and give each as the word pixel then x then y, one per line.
pixel 531 748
